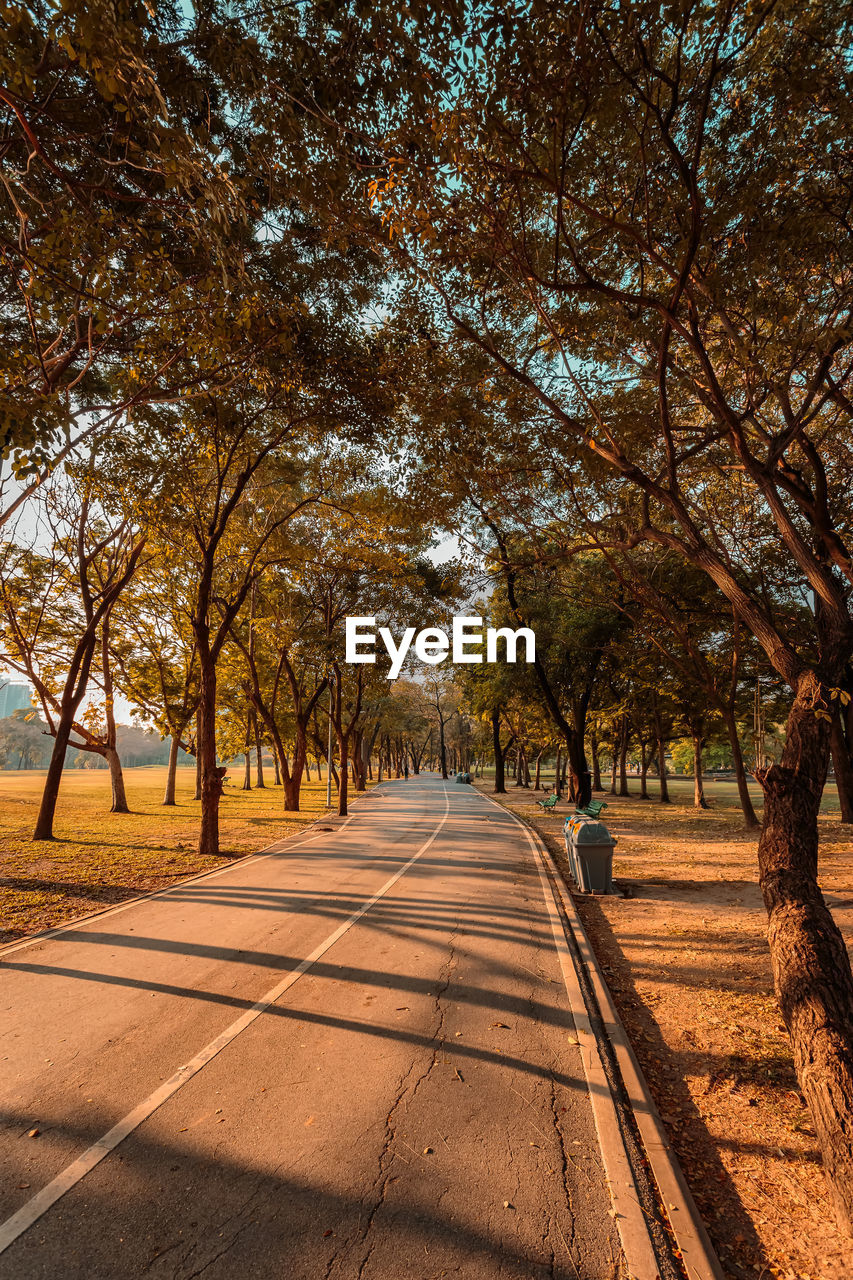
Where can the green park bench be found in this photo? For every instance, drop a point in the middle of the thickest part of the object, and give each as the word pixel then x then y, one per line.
pixel 549 803
pixel 593 809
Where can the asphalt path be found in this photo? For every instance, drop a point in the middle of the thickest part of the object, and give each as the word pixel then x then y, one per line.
pixel 349 1059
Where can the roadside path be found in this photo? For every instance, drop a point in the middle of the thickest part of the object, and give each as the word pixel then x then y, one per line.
pixel 412 1104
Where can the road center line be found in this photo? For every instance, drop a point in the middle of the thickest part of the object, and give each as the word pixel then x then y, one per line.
pixel 39 1204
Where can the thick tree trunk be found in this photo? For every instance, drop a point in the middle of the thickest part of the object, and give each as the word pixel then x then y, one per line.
pixel 50 794
pixel 500 777
pixel 664 785
pixel 614 768
pixel 843 769
pixel 558 773
pixel 749 815
pixel 119 804
pixel 211 775
pixel 247 771
pixel 172 770
pixel 811 965
pixel 293 786
pixel 699 801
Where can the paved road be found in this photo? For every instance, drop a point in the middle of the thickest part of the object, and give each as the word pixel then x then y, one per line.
pixel 410 1106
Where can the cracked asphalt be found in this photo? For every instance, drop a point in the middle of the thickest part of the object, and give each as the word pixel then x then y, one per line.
pixel 414 1106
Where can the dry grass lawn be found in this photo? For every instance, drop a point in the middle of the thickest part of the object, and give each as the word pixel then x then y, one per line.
pixel 687 961
pixel 99 858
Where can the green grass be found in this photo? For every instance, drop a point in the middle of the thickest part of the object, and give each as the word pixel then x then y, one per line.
pixel 98 857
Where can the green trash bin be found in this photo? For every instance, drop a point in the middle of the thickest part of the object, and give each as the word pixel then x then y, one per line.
pixel 591 854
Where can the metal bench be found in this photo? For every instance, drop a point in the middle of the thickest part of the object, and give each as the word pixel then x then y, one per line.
pixel 593 809
pixel 549 803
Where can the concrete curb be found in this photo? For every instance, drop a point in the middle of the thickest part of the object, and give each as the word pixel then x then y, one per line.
pixel 694 1245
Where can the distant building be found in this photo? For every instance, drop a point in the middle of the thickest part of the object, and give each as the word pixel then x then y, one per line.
pixel 14 697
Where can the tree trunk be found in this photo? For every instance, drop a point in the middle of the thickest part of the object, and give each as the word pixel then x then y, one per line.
pixel 172 770
pixel 259 753
pixel 211 775
pixel 811 965
pixel 749 814
pixel 361 747
pixel 293 783
pixel 624 741
pixel 596 763
pixel 50 794
pixel 558 773
pixel 843 769
pixel 664 785
pixel 276 772
pixel 500 775
pixel 614 768
pixel 119 804
pixel 343 746
pixel 699 801
pixel 247 771
pixel 644 769
pixel 536 786
pixel 197 795
pixel 119 799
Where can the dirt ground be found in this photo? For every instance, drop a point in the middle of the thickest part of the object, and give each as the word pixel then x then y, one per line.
pixel 686 959
pixel 99 858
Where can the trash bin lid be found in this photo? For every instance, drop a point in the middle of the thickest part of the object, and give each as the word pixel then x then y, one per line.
pixel 592 833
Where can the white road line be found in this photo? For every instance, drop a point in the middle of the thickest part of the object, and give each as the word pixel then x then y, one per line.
pixel 630 1220
pixel 39 1204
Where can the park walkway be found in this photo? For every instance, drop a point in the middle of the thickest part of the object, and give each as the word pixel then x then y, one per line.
pixel 349 1058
